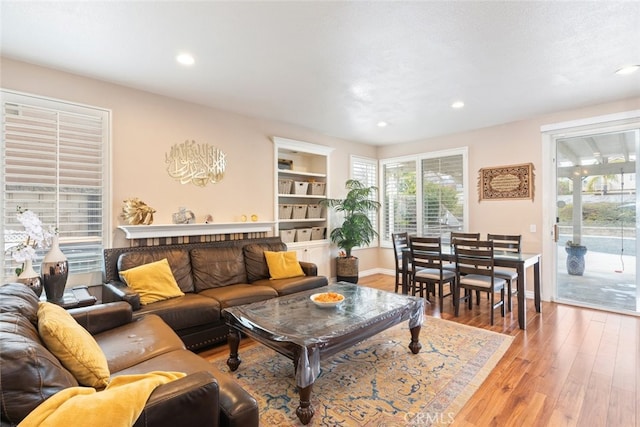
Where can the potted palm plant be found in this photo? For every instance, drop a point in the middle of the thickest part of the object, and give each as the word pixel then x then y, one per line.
pixel 356 229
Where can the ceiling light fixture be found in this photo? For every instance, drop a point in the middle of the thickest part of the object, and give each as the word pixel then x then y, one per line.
pixel 629 69
pixel 382 124
pixel 185 59
pixel 457 105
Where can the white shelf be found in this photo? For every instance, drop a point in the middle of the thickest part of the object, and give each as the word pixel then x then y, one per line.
pixel 176 230
pixel 302 220
pixel 300 173
pixel 301 196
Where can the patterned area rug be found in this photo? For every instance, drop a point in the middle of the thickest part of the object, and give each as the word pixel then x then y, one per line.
pixel 378 382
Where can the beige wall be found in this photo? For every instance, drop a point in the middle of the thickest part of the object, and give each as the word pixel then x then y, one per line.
pixel 145 126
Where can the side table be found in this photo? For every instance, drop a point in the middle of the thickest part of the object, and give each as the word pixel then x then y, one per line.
pixel 77 296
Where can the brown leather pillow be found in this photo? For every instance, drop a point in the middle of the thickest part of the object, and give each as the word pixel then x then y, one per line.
pixel 255 263
pixel 178 260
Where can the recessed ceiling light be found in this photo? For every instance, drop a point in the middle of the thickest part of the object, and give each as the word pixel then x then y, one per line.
pixel 382 124
pixel 628 69
pixel 457 104
pixel 185 59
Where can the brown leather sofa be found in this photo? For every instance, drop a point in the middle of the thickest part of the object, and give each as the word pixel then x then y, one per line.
pixel 29 373
pixel 213 276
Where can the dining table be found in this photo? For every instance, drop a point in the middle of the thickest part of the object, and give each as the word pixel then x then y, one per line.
pixel 520 261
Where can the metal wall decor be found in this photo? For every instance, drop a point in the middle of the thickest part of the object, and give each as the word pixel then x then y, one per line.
pixel 194 163
pixel 506 182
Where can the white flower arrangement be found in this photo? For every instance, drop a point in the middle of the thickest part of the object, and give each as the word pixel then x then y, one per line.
pixel 37 237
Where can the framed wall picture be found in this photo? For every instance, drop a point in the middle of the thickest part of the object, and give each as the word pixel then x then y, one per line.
pixel 506 182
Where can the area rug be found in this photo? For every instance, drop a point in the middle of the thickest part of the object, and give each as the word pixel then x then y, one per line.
pixel 378 382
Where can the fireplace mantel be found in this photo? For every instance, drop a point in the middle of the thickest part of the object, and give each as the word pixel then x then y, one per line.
pixel 178 230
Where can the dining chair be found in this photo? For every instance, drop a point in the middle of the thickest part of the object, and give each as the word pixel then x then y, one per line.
pixel 400 244
pixel 475 272
pixel 508 243
pixel 459 235
pixel 426 258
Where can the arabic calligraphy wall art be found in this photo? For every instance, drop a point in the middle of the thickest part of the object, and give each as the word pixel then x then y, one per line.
pixel 194 163
pixel 506 182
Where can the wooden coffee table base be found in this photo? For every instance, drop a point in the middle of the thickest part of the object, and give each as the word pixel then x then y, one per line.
pixel 305 411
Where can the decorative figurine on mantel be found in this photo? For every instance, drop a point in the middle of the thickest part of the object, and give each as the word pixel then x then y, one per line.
pixel 136 212
pixel 183 216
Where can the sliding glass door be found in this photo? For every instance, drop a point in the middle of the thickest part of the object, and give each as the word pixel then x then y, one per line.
pixel 596 219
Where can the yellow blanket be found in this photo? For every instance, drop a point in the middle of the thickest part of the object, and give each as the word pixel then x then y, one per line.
pixel 119 404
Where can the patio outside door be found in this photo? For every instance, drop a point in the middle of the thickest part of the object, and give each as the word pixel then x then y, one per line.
pixel 596 219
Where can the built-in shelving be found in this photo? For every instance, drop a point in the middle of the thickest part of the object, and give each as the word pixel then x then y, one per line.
pixel 302 162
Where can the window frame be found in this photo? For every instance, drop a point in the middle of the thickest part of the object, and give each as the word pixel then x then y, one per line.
pixel 417 159
pixel 69 109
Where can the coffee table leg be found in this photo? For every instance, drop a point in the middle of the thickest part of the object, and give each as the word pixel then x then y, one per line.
pixel 415 345
pixel 305 410
pixel 234 342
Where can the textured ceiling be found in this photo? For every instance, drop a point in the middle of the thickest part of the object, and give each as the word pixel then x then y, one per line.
pixel 338 68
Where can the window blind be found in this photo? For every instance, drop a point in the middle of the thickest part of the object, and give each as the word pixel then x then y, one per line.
pixel 400 204
pixel 424 194
pixel 54 164
pixel 365 170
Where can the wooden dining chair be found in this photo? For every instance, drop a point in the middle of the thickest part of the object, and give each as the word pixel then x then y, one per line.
pixel 400 244
pixel 475 272
pixel 509 243
pixel 459 235
pixel 426 258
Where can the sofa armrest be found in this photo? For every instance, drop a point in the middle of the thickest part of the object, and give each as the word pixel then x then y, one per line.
pixel 118 291
pixel 102 317
pixel 309 268
pixel 189 401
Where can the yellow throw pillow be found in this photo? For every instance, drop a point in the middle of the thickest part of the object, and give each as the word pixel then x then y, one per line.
pixel 153 281
pixel 283 265
pixel 73 345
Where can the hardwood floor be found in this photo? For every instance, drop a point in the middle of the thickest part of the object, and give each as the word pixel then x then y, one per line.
pixel 571 367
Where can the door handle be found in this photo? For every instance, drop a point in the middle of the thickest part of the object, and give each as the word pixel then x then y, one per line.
pixel 555 233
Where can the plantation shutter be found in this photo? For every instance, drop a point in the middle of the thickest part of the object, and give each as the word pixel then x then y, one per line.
pixel 399 206
pixel 366 171
pixel 442 195
pixel 54 164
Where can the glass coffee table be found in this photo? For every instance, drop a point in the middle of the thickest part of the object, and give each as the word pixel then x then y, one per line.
pixel 295 327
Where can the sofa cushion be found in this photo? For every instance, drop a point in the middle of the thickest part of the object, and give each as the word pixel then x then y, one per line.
pixel 143 339
pixel 232 295
pixel 153 282
pixel 18 298
pixel 254 260
pixel 73 346
pixel 215 267
pixel 178 261
pixel 293 285
pixel 283 265
pixel 185 312
pixel 29 373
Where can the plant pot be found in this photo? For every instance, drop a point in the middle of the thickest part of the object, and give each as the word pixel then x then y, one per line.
pixel 575 259
pixel 347 269
pixel 54 269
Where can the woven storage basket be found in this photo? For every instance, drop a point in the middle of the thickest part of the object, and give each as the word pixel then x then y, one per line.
pixel 300 187
pixel 285 211
pixel 303 234
pixel 287 236
pixel 317 233
pixel 284 186
pixel 317 188
pixel 299 212
pixel 314 211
